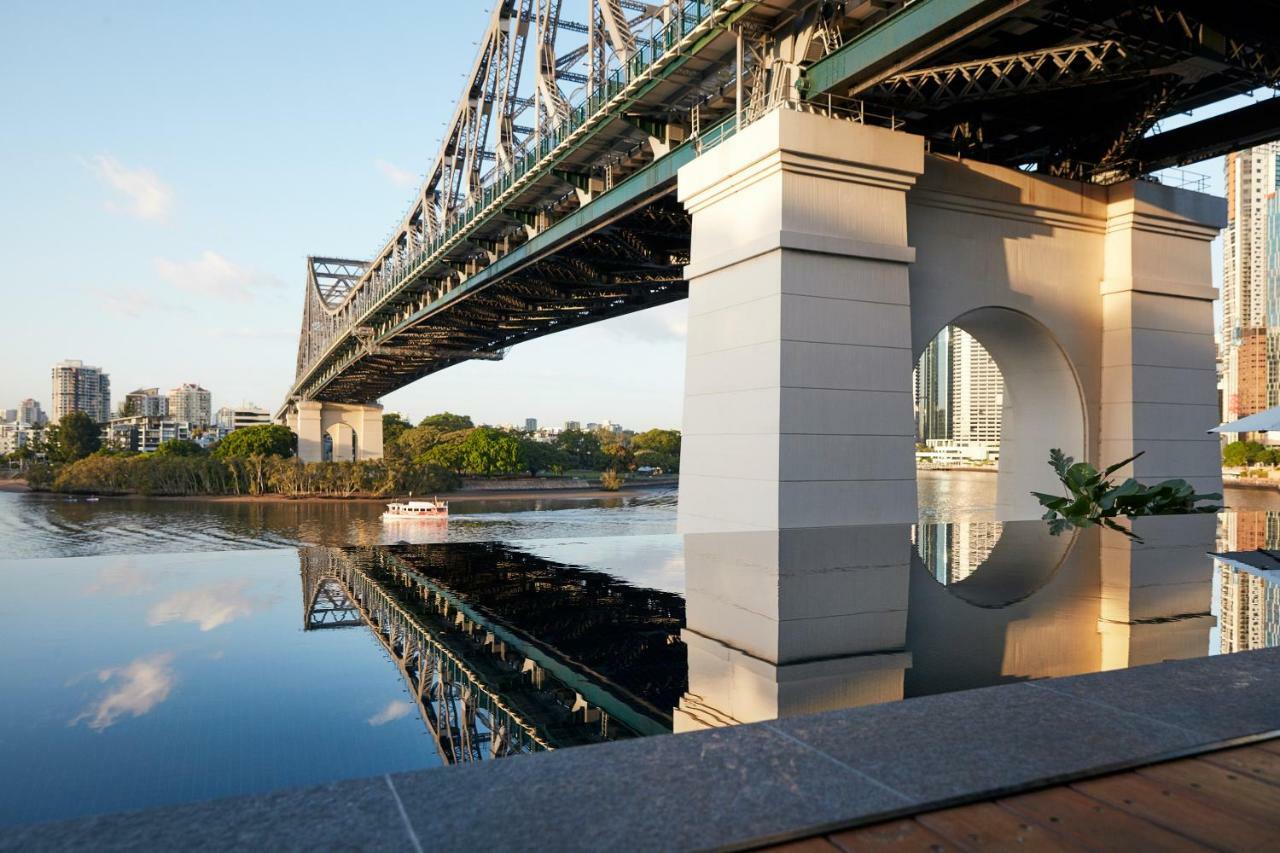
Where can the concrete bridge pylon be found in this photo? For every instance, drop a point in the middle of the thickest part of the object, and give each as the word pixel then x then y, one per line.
pixel 335 432
pixel 825 254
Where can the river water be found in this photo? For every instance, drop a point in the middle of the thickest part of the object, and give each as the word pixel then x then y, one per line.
pixel 36 525
pixel 164 651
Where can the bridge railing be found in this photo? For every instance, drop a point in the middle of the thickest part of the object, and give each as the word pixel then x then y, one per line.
pixel 396 268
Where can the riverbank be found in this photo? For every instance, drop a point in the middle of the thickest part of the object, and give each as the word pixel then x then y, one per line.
pixel 467 494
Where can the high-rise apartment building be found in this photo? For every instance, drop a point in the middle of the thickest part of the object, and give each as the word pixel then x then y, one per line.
pixel 530 424
pixel 959 393
pixel 77 387
pixel 191 404
pixel 145 402
pixel 1250 337
pixel 977 393
pixel 30 413
pixel 932 389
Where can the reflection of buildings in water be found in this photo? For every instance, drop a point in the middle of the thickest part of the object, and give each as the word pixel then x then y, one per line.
pixel 1248 580
pixel 451 618
pixel 951 551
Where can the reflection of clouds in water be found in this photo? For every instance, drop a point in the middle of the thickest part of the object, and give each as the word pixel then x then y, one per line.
pixel 138 688
pixel 206 606
pixel 121 578
pixel 653 561
pixel 395 709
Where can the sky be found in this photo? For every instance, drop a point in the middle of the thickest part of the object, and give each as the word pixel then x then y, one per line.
pixel 166 168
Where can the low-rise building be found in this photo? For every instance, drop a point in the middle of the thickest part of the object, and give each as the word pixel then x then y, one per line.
pixel 231 418
pixel 143 434
pixel 16 435
pixel 145 402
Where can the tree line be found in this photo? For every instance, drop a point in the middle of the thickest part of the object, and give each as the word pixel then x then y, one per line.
pixel 432 456
pixel 452 442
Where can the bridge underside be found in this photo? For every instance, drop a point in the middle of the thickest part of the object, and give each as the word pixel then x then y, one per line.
pixel 632 263
pixel 1070 88
pixel 578 224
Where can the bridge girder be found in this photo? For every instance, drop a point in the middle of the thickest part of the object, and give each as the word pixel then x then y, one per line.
pixel 578 193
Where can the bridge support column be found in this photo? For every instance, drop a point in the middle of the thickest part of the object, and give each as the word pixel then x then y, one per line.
pixel 336 432
pixel 798 407
pixel 788 622
pixel 1158 378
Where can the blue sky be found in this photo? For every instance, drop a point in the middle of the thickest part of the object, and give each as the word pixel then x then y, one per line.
pixel 166 169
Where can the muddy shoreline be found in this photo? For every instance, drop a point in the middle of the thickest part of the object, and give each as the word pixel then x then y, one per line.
pixel 462 496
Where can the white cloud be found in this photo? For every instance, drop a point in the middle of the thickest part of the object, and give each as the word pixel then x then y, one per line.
pixel 213 275
pixel 138 688
pixel 395 709
pixel 131 302
pixel 121 579
pixel 143 194
pixel 395 174
pixel 206 606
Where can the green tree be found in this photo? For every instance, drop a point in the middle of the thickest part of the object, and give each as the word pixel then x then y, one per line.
pixel 74 437
pixel 412 444
pixel 618 458
pixel 257 440
pixel 1239 453
pixel 447 422
pixel 663 441
pixel 541 456
pixel 581 448
pixel 450 457
pixel 393 426
pixel 488 451
pixel 179 447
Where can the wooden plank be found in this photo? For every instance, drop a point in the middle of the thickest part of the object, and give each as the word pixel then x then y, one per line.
pixel 1088 821
pixel 1234 793
pixel 1251 760
pixel 895 835
pixel 989 827
pixel 1268 745
pixel 817 844
pixel 1178 810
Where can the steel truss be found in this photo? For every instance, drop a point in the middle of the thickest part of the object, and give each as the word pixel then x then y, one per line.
pixel 479 697
pixel 1014 74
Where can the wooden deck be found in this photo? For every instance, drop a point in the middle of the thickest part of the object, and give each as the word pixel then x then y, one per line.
pixel 1224 800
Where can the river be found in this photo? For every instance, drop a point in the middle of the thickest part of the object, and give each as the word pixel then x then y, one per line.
pixel 161 651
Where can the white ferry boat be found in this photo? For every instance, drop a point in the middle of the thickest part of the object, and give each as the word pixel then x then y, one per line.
pixel 433 510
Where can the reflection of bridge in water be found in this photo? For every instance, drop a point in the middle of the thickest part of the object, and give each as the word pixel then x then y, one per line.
pixel 478 634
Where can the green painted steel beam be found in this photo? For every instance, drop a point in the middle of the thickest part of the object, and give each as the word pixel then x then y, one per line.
pixel 915 25
pixel 591 686
pixel 653 179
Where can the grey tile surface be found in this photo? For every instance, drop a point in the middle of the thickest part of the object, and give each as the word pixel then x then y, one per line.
pixel 674 792
pixel 940 747
pixel 1224 696
pixel 353 815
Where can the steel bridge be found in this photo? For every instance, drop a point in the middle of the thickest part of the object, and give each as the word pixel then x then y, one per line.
pixel 550 203
pixel 482 688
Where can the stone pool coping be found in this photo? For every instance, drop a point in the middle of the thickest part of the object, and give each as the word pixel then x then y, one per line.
pixel 744 785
